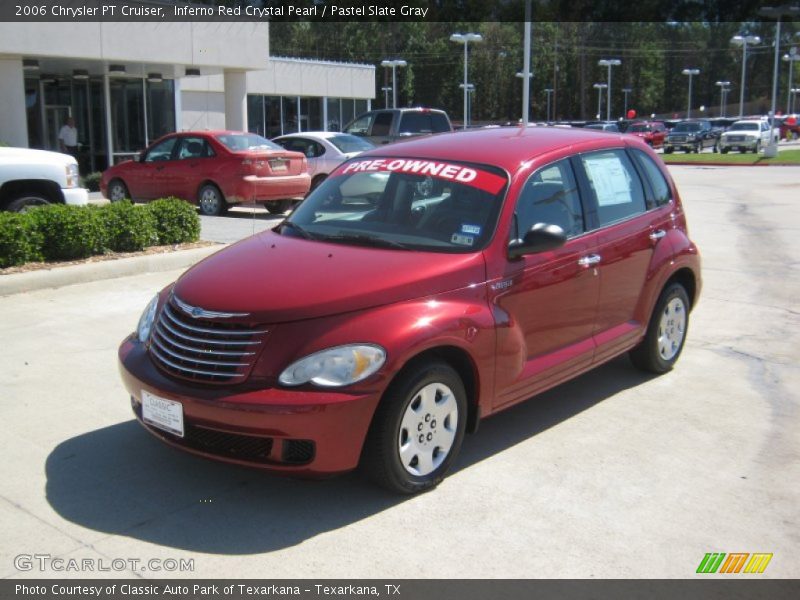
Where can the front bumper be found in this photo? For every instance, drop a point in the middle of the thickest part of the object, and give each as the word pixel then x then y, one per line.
pixel 302 431
pixel 75 196
pixel 748 144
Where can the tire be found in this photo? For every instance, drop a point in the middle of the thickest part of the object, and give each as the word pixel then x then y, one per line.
pixel 117 191
pixel 278 207
pixel 662 345
pixel 426 402
pixel 25 201
pixel 211 201
pixel 668 149
pixel 724 150
pixel 698 148
pixel 757 149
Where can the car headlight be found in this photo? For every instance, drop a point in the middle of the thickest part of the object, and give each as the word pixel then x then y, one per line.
pixel 73 178
pixel 146 320
pixel 335 367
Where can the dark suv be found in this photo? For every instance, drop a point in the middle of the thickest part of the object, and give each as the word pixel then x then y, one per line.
pixel 391 124
pixel 691 135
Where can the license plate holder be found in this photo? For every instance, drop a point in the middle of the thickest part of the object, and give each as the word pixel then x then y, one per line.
pixel 163 414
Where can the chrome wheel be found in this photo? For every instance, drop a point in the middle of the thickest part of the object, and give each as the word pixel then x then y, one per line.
pixel 671 329
pixel 428 429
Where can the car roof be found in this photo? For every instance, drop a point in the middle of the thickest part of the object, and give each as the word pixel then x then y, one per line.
pixel 313 134
pixel 505 147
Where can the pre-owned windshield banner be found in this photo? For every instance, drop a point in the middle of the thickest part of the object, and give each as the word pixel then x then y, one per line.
pixel 483 180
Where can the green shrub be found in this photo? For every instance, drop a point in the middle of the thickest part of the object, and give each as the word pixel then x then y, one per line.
pixel 92 181
pixel 128 228
pixel 20 240
pixel 176 221
pixel 69 232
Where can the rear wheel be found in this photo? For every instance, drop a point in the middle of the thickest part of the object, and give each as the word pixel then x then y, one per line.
pixel 724 150
pixel 117 191
pixel 24 202
pixel 668 149
pixel 757 149
pixel 417 431
pixel 662 345
pixel 211 202
pixel 278 207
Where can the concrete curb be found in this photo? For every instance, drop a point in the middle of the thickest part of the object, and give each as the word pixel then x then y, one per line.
pixel 720 164
pixel 57 277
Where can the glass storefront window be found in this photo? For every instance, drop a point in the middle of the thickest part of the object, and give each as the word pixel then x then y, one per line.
pixel 272 110
pixel 347 111
pixel 127 115
pixel 160 108
pixel 311 114
pixel 334 115
pixel 255 114
pixel 290 122
pixel 361 107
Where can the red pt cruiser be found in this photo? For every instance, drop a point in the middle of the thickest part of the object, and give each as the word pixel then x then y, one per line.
pixel 419 289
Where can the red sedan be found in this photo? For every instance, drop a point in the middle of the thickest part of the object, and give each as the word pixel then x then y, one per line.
pixel 653 133
pixel 215 169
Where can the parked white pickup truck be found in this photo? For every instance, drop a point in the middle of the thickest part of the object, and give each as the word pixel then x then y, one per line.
pixel 35 177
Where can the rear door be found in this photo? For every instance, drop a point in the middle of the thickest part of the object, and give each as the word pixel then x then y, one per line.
pixel 192 165
pixel 631 223
pixel 148 178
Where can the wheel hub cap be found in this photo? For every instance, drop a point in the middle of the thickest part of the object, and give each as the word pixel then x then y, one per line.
pixel 428 429
pixel 671 329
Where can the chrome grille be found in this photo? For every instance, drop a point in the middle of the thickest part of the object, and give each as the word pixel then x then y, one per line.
pixel 677 138
pixel 735 138
pixel 208 350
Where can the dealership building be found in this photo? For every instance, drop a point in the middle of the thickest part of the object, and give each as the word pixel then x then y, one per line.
pixel 126 84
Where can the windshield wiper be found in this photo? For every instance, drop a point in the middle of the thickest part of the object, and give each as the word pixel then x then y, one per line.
pixel 365 239
pixel 305 234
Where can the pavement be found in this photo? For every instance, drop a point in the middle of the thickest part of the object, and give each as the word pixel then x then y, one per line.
pixel 613 475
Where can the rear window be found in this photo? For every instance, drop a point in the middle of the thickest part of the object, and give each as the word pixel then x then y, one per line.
pixel 350 143
pixel 745 127
pixel 243 142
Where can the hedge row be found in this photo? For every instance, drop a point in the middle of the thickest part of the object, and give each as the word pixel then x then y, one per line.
pixel 59 232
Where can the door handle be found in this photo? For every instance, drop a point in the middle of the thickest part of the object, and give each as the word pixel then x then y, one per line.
pixel 657 235
pixel 589 260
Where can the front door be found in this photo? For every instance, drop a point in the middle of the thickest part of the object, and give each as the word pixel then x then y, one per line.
pixel 546 303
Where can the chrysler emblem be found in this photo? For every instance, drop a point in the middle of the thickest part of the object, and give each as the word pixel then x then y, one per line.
pixel 196 312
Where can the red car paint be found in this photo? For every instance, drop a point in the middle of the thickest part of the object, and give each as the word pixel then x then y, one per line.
pixel 517 326
pixel 652 132
pixel 240 175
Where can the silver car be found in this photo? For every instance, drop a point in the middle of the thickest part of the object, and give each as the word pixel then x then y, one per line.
pixel 324 150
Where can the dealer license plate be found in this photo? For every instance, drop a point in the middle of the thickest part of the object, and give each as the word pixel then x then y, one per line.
pixel 162 413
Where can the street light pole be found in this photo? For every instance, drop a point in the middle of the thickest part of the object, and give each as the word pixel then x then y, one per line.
pixel 723 92
pixel 394 64
pixel 609 62
pixel 790 58
pixel 466 38
pixel 599 87
pixel 548 91
pixel 794 92
pixel 386 89
pixel 691 73
pixel 743 40
pixel 626 91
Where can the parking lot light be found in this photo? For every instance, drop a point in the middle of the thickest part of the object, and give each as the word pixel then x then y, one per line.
pixel 394 64
pixel 724 88
pixel 609 62
pixel 790 58
pixel 548 91
pixel 386 89
pixel 691 73
pixel 626 91
pixel 793 92
pixel 599 87
pixel 466 38
pixel 743 41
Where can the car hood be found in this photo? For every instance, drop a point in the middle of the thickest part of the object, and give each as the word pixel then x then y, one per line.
pixel 26 155
pixel 278 278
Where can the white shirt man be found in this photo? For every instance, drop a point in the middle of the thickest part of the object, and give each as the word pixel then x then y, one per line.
pixel 68 137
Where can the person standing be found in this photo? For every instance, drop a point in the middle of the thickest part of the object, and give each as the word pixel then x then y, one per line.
pixel 68 138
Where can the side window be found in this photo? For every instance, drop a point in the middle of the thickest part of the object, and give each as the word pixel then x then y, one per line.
pixel 659 185
pixel 616 185
pixel 361 125
pixel 382 124
pixel 161 151
pixel 315 149
pixel 550 196
pixel 193 147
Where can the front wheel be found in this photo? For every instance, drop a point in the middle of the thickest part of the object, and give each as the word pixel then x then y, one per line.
pixel 118 191
pixel 211 202
pixel 757 149
pixel 417 431
pixel 662 345
pixel 24 202
pixel 668 149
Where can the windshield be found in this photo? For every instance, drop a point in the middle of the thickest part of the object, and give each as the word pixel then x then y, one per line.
pixel 745 127
pixel 403 204
pixel 242 142
pixel 349 143
pixel 641 128
pixel 684 127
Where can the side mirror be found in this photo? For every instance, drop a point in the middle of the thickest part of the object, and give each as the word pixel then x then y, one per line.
pixel 140 158
pixel 540 238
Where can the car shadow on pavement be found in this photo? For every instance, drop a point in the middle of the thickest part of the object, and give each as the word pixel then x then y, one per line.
pixel 122 481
